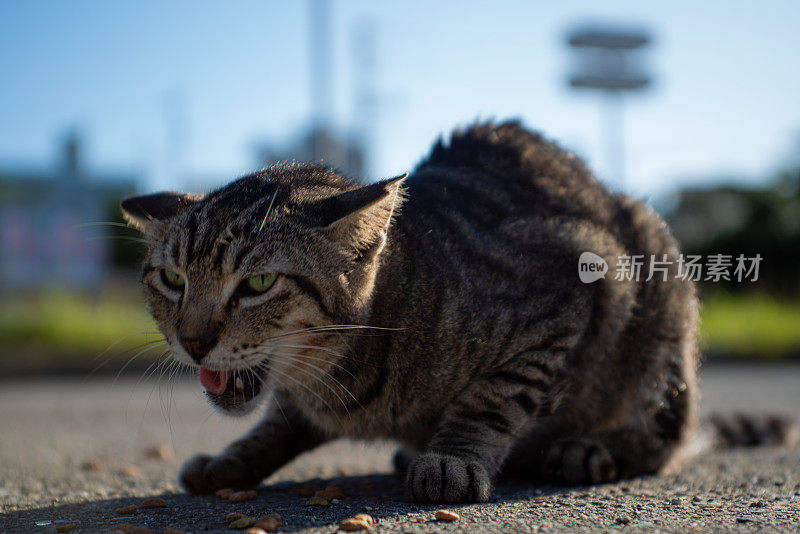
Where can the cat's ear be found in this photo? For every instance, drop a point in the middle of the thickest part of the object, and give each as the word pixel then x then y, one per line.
pixel 360 218
pixel 146 211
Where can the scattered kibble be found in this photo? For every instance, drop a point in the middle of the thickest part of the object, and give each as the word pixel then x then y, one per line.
pixel 364 517
pixel 307 491
pixel 234 516
pixel 269 523
pixel 225 493
pixel 255 530
pixel 447 515
pixel 127 510
pixel 129 471
pixel 126 528
pixel 318 500
pixel 69 527
pixel 159 452
pixel 242 523
pixel 153 503
pixel 353 524
pixel 331 492
pixel 93 465
pixel 241 496
pixel 267 526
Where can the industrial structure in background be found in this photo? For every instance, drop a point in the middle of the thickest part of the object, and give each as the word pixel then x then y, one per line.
pixel 346 151
pixel 610 61
pixel 48 231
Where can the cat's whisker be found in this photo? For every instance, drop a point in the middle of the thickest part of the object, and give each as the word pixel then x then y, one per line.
pixel 301 359
pixel 101 223
pixel 294 358
pixel 315 347
pixel 317 395
pixel 327 328
pixel 269 210
pixel 120 340
pixel 315 358
pixel 143 351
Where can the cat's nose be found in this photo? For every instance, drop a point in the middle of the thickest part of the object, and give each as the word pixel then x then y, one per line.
pixel 199 346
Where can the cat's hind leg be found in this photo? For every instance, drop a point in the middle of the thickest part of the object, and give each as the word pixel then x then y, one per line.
pixel 646 437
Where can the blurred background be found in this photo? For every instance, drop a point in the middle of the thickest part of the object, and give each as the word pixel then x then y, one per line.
pixel 693 107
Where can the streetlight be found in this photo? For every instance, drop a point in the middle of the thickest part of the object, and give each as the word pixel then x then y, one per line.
pixel 608 60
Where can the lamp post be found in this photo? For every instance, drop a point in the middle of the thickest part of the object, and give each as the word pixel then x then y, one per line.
pixel 609 61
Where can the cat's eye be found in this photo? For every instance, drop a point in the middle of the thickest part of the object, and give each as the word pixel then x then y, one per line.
pixel 261 282
pixel 172 279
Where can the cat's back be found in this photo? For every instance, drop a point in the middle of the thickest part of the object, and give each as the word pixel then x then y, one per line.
pixel 492 175
pixel 496 196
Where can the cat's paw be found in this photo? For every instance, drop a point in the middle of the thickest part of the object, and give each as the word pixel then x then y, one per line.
pixel 204 474
pixel 402 459
pixel 435 477
pixel 579 461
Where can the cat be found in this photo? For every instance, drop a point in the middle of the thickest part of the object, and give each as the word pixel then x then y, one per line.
pixel 442 309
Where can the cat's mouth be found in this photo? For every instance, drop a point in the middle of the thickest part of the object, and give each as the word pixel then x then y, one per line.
pixel 231 390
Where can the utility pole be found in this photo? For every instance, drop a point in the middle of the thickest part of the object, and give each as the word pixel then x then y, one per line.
pixel 321 89
pixel 608 61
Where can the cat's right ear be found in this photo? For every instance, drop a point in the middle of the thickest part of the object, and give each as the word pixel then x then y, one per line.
pixel 147 211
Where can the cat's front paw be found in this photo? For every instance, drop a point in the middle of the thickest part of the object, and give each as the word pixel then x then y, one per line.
pixel 579 461
pixel 435 477
pixel 204 474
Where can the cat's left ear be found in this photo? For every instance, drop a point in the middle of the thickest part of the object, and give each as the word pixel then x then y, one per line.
pixel 360 218
pixel 147 211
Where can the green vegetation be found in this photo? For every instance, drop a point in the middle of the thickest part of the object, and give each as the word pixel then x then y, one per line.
pixel 57 328
pixel 757 326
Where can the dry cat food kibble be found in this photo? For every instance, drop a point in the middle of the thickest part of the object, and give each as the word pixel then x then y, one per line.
pixel 129 471
pixel 447 515
pixel 256 530
pixel 365 518
pixel 153 503
pixel 160 452
pixel 307 491
pixel 234 516
pixel 358 522
pixel 126 528
pixel 269 523
pixel 331 492
pixel 242 523
pixel 93 465
pixel 225 493
pixel 241 496
pixel 127 510
pixel 318 500
pixel 353 524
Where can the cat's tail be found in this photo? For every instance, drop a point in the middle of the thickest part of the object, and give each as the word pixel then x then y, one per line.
pixel 747 430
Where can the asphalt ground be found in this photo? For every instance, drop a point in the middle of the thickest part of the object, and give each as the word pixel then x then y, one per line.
pixel 51 428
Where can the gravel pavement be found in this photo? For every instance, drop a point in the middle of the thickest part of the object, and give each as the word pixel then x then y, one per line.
pixel 75 450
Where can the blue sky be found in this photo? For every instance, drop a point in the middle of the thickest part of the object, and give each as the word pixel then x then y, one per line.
pixel 726 97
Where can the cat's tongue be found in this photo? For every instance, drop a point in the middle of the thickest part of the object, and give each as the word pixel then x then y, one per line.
pixel 214 381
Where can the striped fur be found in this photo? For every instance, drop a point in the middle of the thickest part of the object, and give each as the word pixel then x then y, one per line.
pixel 469 337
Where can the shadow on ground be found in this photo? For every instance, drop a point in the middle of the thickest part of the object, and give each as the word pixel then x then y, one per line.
pixel 381 496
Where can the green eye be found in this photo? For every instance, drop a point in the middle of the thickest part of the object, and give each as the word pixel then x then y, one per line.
pixel 172 279
pixel 261 282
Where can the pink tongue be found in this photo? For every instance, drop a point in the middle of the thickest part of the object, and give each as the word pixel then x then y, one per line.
pixel 214 381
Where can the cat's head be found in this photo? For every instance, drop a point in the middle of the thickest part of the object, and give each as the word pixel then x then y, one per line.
pixel 247 281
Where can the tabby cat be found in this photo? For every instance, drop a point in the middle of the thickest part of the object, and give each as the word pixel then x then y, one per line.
pixel 443 309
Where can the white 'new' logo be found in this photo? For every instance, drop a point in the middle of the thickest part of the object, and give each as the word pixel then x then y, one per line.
pixel 591 267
